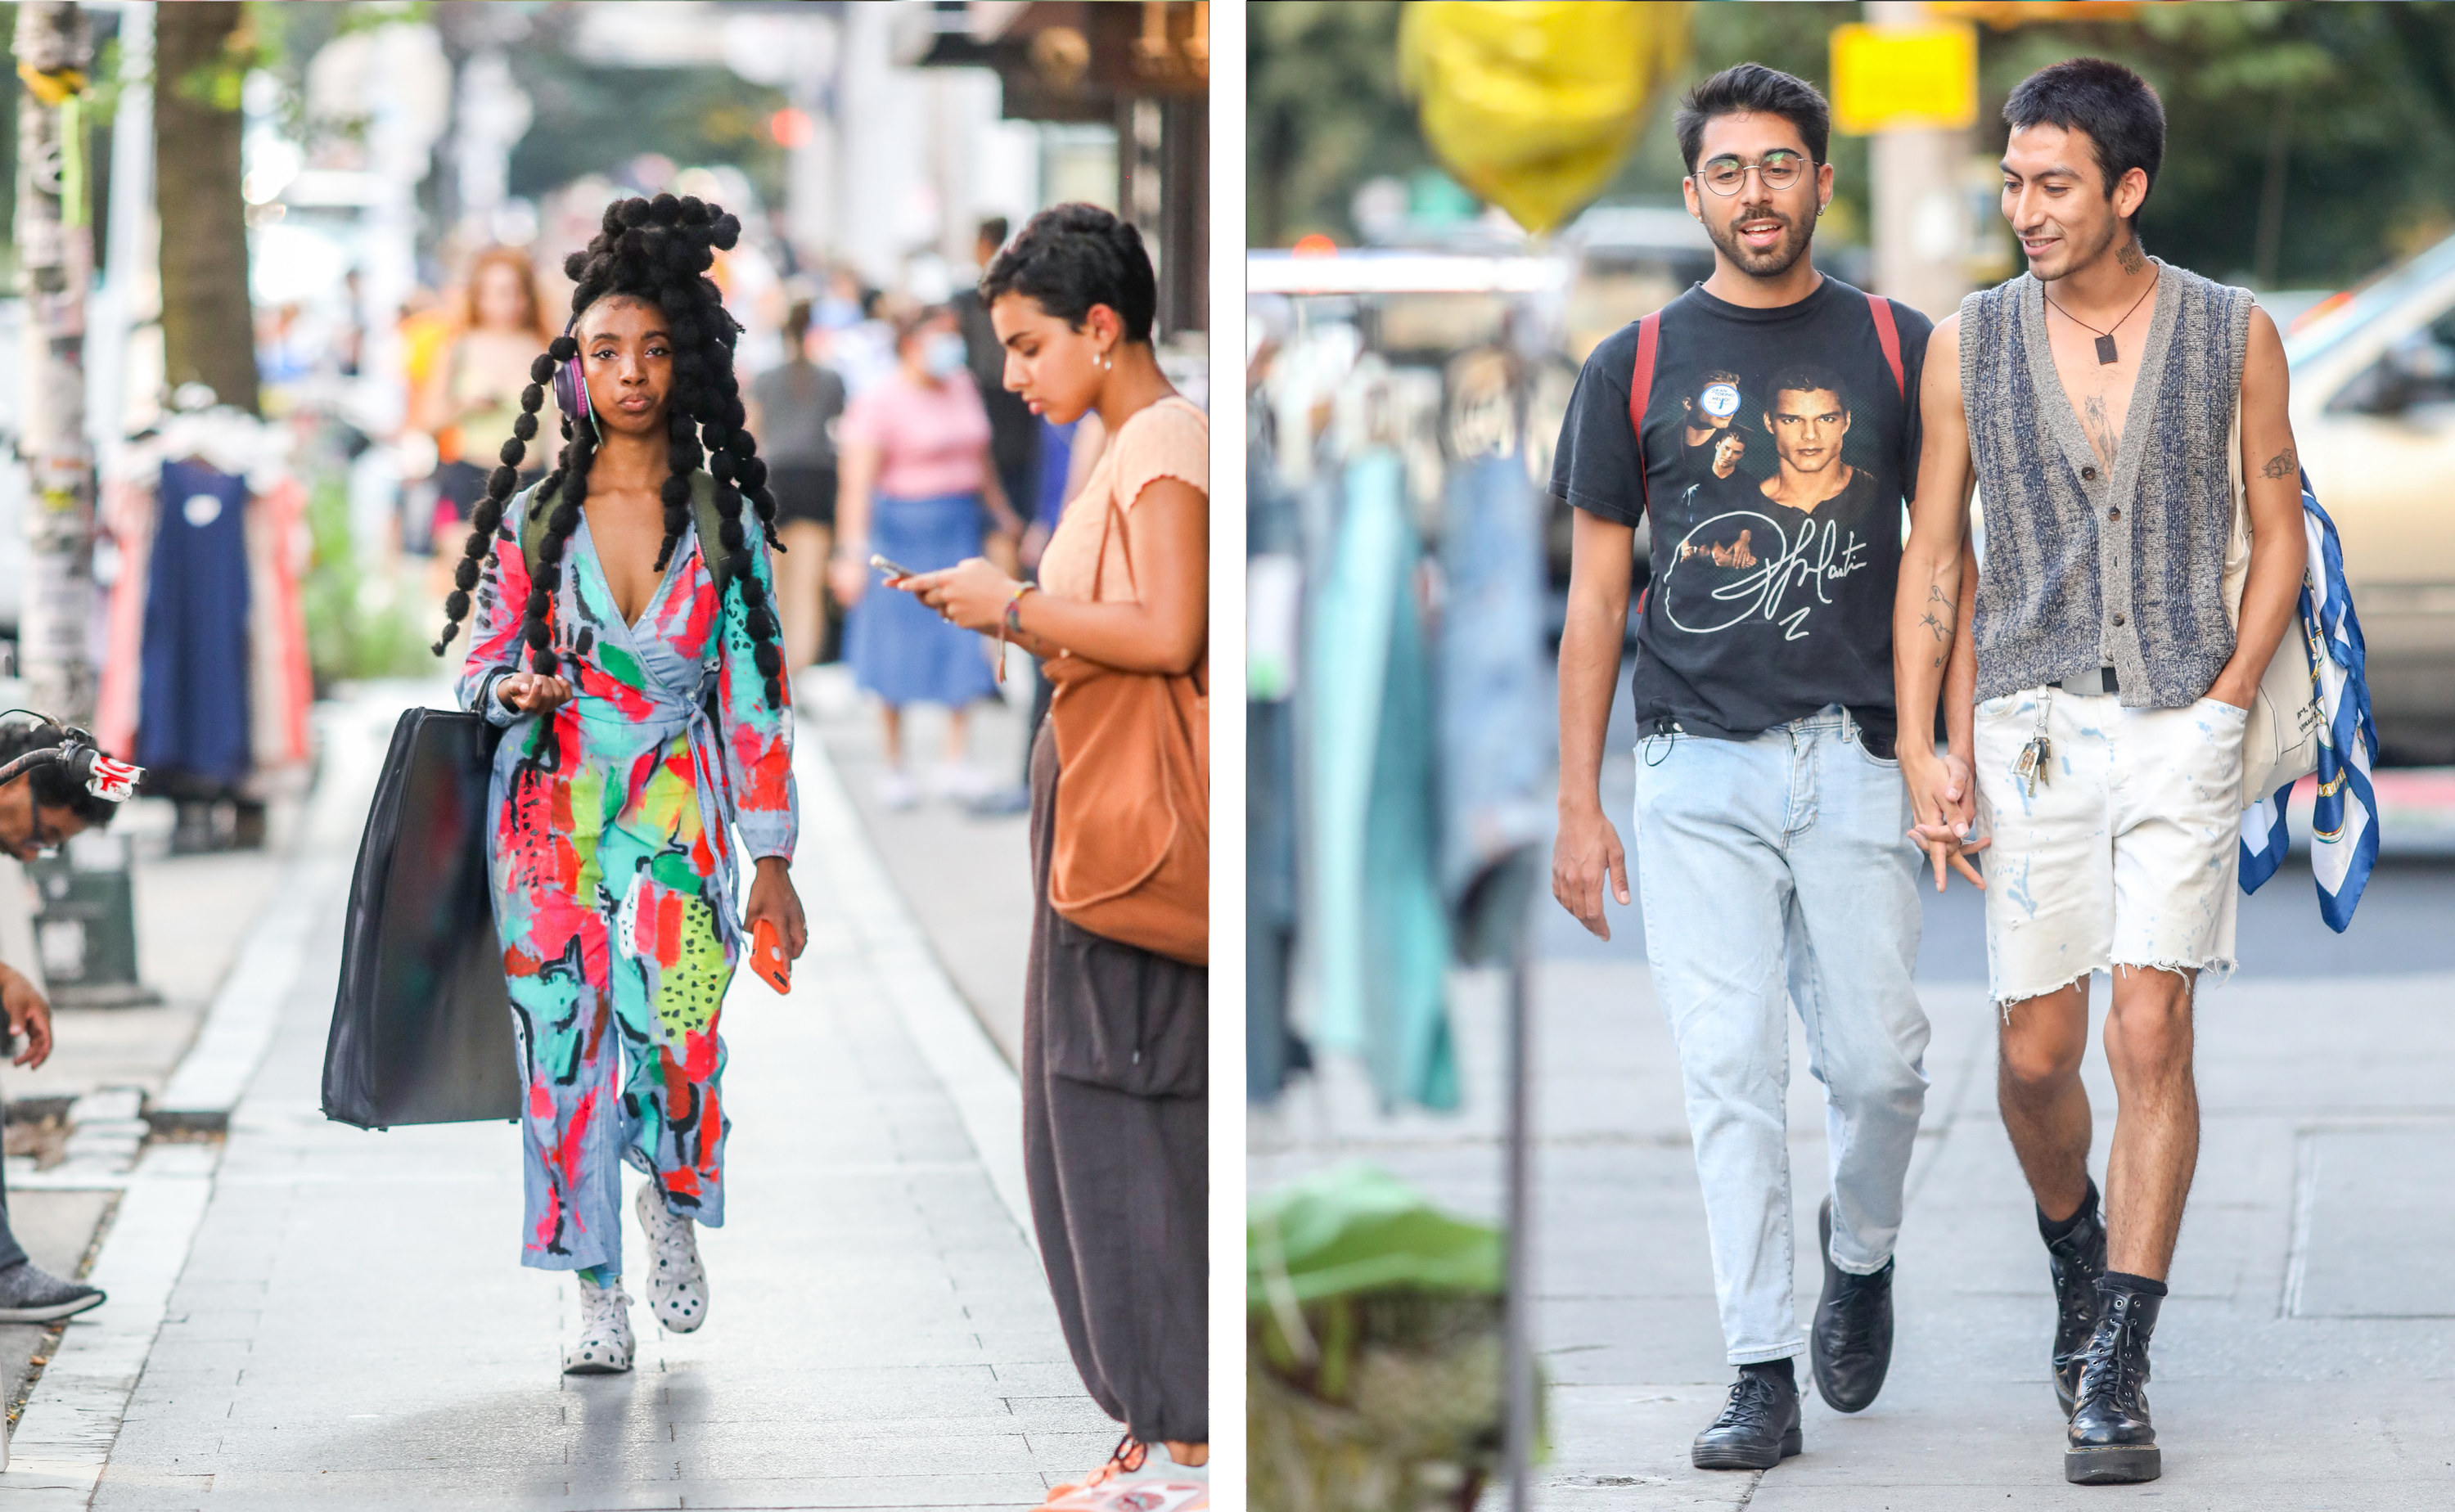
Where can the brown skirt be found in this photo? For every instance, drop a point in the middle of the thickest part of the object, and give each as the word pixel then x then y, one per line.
pixel 1116 1153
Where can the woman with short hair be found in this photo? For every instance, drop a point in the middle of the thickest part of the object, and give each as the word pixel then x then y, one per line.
pixel 1115 1036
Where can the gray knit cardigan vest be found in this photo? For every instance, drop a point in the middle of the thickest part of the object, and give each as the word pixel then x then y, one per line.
pixel 2067 585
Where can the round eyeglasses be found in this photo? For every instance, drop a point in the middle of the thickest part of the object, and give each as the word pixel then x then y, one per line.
pixel 1777 169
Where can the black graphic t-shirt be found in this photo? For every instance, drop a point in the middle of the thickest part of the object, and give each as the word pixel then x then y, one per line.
pixel 1781 454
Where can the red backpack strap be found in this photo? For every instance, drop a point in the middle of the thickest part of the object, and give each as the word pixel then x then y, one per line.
pixel 1640 390
pixel 1889 336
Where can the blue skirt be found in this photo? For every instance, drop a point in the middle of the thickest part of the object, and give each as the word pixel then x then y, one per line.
pixel 899 648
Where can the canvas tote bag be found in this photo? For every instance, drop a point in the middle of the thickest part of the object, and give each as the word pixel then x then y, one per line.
pixel 422 1023
pixel 1131 860
pixel 2280 742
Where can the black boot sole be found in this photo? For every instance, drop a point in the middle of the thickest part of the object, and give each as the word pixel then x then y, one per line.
pixel 2115 1465
pixel 1744 1456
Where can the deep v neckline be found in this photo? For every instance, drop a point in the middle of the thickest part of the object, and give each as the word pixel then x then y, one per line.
pixel 2064 417
pixel 656 596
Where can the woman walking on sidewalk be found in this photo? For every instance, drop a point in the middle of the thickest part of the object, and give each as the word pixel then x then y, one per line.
pixel 918 491
pixel 1114 1036
pixel 651 721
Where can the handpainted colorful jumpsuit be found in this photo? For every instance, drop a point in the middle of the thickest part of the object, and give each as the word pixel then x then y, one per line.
pixel 613 881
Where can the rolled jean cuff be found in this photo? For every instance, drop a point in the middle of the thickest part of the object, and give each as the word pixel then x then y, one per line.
pixel 1758 1357
pixel 1848 1269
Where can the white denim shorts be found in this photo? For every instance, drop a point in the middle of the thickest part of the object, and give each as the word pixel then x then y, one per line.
pixel 2125 852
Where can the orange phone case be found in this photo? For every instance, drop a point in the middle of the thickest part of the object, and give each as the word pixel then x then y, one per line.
pixel 767 956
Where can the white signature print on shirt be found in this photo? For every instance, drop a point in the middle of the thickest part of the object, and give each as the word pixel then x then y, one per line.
pixel 1817 557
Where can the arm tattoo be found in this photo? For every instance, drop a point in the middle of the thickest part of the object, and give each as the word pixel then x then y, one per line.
pixel 2284 464
pixel 1939 620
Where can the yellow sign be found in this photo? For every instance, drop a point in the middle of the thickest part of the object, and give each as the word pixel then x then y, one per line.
pixel 1889 80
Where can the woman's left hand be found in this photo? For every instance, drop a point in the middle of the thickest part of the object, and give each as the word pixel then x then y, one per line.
pixel 972 594
pixel 772 898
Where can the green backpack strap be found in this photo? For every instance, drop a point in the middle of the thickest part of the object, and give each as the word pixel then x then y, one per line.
pixel 531 510
pixel 711 540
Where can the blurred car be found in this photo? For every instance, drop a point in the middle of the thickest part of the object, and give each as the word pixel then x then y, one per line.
pixel 2374 415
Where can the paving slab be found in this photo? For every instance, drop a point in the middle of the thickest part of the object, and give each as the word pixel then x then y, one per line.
pixel 2303 1361
pixel 350 1327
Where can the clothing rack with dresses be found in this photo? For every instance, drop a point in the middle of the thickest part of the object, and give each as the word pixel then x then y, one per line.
pixel 1400 723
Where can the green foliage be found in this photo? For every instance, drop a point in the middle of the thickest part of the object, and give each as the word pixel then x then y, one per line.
pixel 592 118
pixel 2348 110
pixel 346 641
pixel 1323 115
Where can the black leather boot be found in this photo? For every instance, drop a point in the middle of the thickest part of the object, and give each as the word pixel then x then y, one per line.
pixel 2075 1261
pixel 2111 1441
pixel 1758 1427
pixel 1851 1345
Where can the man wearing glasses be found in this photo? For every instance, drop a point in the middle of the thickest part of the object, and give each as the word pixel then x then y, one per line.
pixel 1771 816
pixel 39 811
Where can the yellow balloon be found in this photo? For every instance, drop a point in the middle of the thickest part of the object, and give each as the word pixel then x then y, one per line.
pixel 1533 104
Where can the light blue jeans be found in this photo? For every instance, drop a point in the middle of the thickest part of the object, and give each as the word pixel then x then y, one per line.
pixel 1770 867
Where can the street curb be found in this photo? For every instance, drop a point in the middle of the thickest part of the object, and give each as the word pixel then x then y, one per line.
pixel 942 1027
pixel 55 1458
pixel 239 1025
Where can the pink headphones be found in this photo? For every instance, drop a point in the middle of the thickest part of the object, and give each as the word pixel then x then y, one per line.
pixel 571 389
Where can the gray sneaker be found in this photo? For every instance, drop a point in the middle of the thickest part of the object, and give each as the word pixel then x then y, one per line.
pixel 29 1294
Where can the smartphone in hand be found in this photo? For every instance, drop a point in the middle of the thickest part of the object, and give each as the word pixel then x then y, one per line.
pixel 767 957
pixel 895 571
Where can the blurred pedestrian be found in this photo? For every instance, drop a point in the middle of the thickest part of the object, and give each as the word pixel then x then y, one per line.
pixel 795 407
pixel 471 394
pixel 1115 1035
pixel 918 491
pixel 626 648
pixel 1014 431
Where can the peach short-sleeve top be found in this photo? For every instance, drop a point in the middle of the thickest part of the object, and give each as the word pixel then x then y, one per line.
pixel 1170 438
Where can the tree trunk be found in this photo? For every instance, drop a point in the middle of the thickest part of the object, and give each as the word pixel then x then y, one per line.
pixel 54 265
pixel 208 328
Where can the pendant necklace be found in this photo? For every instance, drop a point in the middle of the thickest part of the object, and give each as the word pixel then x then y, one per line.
pixel 2105 353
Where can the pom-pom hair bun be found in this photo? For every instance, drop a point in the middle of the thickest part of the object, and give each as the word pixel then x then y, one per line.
pixel 656 251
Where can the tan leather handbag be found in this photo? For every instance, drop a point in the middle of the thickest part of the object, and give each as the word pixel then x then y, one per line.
pixel 1131 860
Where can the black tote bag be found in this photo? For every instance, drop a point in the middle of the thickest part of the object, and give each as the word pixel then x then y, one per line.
pixel 422 1026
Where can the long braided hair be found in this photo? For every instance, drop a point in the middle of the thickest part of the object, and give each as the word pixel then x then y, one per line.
pixel 657 251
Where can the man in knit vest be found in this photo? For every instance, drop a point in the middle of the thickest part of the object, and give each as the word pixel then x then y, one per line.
pixel 1764 424
pixel 2091 401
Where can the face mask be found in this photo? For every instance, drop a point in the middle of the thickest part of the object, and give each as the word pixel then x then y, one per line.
pixel 835 313
pixel 943 357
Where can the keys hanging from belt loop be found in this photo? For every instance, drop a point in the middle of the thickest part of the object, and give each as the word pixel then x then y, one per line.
pixel 2035 756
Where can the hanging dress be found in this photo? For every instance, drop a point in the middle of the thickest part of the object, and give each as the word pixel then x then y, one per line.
pixel 614 878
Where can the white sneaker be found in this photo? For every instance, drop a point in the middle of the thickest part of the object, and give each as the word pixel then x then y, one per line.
pixel 896 790
pixel 957 781
pixel 605 1347
pixel 676 1282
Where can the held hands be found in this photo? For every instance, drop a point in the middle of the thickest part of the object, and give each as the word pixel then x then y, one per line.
pixel 1943 805
pixel 772 898
pixel 973 594
pixel 1587 851
pixel 533 692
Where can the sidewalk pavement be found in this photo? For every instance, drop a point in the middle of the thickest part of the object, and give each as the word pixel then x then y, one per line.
pixel 192 914
pixel 350 1327
pixel 966 878
pixel 2302 1362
